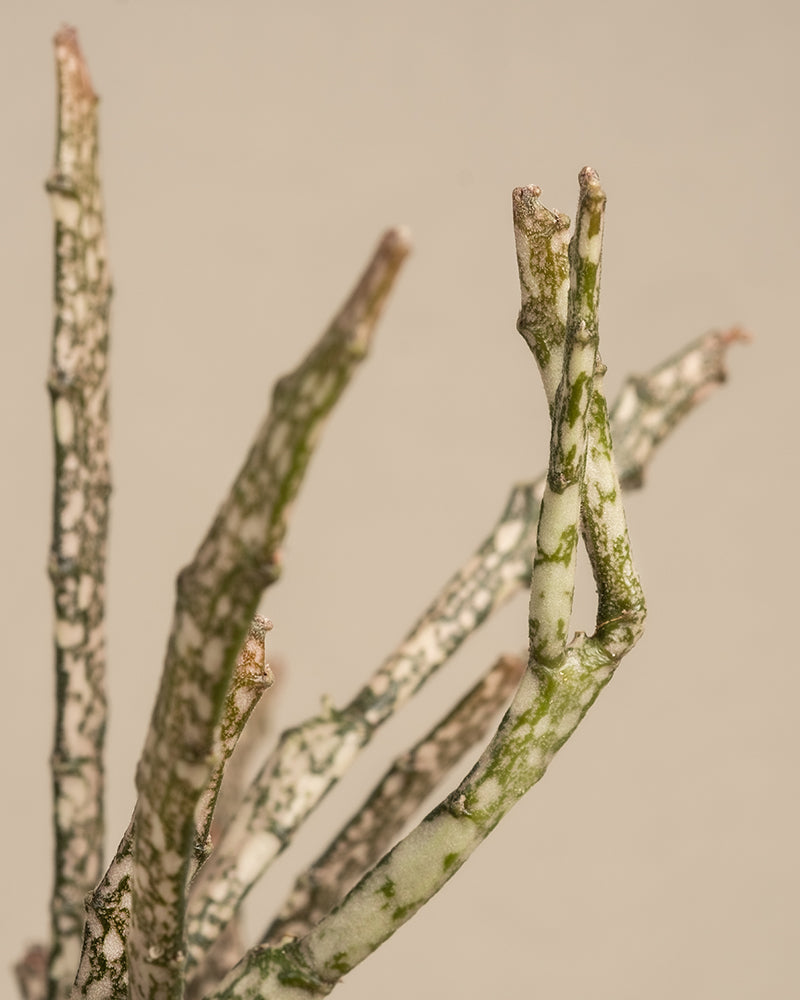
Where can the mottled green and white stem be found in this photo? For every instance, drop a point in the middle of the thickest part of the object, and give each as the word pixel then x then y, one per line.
pixel 542 243
pixel 230 945
pixel 311 758
pixel 251 678
pixel 559 686
pixel 216 598
pixel 78 384
pixel 620 608
pixel 555 554
pixel 102 973
pixel 412 777
pixel 103 969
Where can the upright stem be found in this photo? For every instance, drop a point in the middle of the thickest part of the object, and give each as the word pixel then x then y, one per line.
pixel 217 594
pixel 78 384
pixel 561 683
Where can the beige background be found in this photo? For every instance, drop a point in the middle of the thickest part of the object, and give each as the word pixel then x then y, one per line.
pixel 252 154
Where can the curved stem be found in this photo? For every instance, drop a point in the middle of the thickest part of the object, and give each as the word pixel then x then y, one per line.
pixel 310 759
pixel 217 596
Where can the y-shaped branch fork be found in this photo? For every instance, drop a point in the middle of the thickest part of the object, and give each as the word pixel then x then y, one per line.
pixel 562 680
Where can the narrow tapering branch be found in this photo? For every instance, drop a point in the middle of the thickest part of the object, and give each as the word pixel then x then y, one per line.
pixel 230 945
pixel 620 601
pixel 412 777
pixel 216 598
pixel 649 407
pixel 251 678
pixel 78 384
pixel 274 466
pixel 310 759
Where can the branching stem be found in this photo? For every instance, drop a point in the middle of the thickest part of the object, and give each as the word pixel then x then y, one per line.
pixel 559 686
pixel 311 758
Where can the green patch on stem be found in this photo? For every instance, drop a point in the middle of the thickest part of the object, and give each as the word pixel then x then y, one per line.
pixel 591 273
pixel 388 889
pixel 563 552
pixel 568 463
pixel 291 969
pixel 339 963
pixel 575 403
pixel 599 423
pixel 450 860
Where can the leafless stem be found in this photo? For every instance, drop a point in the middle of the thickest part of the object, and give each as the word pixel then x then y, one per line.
pixel 78 384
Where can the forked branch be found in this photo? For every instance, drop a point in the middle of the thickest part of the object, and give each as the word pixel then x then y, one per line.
pixel 560 684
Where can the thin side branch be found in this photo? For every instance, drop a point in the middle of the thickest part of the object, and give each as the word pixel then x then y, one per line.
pixel 251 678
pixel 78 384
pixel 649 407
pixel 230 945
pixel 620 601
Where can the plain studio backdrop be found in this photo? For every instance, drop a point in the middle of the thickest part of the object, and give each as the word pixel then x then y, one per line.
pixel 252 154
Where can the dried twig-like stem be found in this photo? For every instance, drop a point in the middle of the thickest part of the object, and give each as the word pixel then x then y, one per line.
pixel 230 945
pixel 393 802
pixel 157 913
pixel 251 678
pixel 78 384
pixel 217 595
